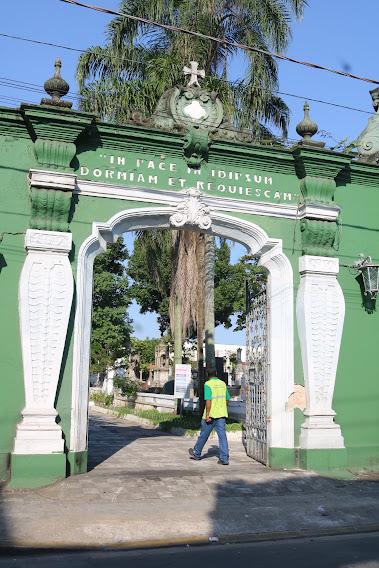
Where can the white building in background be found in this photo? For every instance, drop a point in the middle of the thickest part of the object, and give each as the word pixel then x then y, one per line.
pixel 221 350
pixel 228 349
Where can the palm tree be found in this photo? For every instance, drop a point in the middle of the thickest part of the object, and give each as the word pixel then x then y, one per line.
pixel 140 61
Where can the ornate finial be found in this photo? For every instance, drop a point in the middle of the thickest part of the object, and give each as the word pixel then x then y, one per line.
pixel 306 128
pixel 375 98
pixel 57 88
pixel 195 72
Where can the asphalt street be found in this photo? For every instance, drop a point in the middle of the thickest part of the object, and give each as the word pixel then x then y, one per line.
pixel 348 551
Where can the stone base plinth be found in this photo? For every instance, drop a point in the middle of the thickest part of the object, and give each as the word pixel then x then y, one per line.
pixel 28 471
pixel 321 432
pixel 38 433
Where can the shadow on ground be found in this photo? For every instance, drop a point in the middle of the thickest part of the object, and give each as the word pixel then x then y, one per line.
pixel 142 490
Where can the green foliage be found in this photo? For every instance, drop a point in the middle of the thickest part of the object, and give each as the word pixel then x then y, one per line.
pixel 167 421
pixel 111 326
pixel 152 291
pixel 249 276
pixel 145 348
pixel 140 62
pixel 230 285
pixel 127 387
pixel 150 268
pixel 102 399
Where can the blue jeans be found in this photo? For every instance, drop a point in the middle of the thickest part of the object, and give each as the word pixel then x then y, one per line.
pixel 206 429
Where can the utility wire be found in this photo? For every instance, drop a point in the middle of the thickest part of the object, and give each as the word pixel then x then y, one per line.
pixel 221 41
pixel 41 42
pixel 21 85
pixel 277 140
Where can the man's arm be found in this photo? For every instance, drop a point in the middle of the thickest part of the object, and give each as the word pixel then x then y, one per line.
pixel 208 405
pixel 208 401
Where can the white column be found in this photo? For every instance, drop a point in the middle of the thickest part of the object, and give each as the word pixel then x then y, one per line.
pixel 45 297
pixel 320 316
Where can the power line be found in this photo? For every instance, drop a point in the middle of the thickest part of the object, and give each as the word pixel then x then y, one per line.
pixel 222 41
pixel 73 95
pixel 42 42
pixel 76 95
pixel 276 140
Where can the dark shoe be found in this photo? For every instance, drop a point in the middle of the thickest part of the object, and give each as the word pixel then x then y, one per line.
pixel 222 462
pixel 193 456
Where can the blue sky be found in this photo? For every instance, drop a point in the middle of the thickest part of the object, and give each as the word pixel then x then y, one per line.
pixel 337 33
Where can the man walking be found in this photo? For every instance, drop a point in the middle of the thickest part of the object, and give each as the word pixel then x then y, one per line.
pixel 215 414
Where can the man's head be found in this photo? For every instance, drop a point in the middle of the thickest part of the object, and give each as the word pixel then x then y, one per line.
pixel 211 372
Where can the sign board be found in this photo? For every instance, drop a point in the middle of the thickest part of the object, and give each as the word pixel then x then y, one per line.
pixel 149 172
pixel 182 381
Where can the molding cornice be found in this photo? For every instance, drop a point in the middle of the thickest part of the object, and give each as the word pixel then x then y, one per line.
pixel 319 162
pixel 52 180
pixel 162 196
pixel 12 123
pixel 51 123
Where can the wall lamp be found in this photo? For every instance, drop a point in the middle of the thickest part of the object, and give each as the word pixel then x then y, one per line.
pixel 370 275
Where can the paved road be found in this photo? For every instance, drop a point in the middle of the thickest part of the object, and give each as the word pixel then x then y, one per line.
pixel 355 551
pixel 142 488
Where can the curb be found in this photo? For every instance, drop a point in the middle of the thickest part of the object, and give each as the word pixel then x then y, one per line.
pixel 175 431
pixel 193 540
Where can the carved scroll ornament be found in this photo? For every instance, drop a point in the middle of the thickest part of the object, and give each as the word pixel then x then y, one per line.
pixel 191 211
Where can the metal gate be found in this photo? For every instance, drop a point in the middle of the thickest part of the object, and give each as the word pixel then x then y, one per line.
pixel 257 372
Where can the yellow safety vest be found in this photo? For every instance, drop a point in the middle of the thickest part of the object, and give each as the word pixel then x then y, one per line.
pixel 218 408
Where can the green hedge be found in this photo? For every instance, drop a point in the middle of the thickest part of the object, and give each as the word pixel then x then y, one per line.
pixel 166 421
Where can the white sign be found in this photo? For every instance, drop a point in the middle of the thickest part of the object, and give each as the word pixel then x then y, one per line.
pixel 182 381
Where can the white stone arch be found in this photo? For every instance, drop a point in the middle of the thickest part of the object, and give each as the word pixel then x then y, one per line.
pixel 280 297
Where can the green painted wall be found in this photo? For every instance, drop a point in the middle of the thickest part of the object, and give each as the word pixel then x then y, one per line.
pixel 16 157
pixel 356 398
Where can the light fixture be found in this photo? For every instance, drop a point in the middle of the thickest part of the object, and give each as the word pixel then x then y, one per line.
pixel 370 275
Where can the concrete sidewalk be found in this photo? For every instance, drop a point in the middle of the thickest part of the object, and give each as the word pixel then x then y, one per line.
pixel 143 490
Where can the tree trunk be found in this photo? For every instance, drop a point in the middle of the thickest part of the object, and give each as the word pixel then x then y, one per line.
pixel 200 322
pixel 209 315
pixel 178 332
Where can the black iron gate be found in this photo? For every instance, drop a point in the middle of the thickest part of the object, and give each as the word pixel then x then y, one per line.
pixel 257 372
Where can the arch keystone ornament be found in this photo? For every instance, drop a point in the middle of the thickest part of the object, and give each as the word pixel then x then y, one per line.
pixel 191 211
pixel 320 317
pixel 45 296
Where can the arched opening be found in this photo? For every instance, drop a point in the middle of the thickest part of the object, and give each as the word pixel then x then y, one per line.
pixel 280 380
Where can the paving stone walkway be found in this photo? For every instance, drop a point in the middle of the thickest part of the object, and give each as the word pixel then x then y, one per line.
pixel 143 489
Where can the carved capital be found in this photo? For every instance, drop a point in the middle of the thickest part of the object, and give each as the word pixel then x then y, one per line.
pixel 191 211
pixel 318 237
pixel 51 199
pixel 54 153
pixel 317 190
pixel 50 209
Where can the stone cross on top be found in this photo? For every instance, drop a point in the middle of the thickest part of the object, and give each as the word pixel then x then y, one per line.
pixel 195 73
